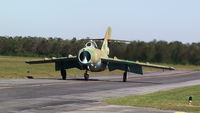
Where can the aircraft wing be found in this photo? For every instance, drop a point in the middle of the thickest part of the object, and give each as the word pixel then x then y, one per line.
pixel 130 66
pixel 60 63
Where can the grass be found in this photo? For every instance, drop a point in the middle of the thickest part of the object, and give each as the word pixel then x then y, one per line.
pixel 15 67
pixel 175 99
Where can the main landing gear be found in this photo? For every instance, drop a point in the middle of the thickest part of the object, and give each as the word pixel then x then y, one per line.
pixel 125 76
pixel 63 74
pixel 86 75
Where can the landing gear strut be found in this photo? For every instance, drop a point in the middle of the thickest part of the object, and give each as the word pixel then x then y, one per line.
pixel 125 76
pixel 63 74
pixel 86 75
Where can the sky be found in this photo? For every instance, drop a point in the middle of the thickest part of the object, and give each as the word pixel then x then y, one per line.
pixel 144 20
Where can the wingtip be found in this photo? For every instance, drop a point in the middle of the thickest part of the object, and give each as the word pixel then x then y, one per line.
pixel 28 62
pixel 172 68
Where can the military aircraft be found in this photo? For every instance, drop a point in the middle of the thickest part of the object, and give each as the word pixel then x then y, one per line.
pixel 91 58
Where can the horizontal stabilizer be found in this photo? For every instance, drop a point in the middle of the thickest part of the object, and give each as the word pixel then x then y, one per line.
pixel 112 40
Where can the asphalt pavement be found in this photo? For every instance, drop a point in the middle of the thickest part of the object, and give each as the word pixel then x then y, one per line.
pixel 75 95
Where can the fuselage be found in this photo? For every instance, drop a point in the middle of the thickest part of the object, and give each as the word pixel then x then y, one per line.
pixel 90 57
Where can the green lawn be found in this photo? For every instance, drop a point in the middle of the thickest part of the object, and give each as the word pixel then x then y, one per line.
pixel 15 67
pixel 175 99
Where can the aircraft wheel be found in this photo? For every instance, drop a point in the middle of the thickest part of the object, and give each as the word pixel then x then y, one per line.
pixel 86 76
pixel 125 77
pixel 63 74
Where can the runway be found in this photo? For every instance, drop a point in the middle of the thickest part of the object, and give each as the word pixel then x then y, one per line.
pixel 76 95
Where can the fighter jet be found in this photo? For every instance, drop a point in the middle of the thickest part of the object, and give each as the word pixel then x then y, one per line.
pixel 91 58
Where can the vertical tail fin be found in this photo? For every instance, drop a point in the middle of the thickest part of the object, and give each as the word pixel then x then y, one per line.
pixel 104 47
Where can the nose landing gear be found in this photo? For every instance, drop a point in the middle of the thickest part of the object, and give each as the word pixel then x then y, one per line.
pixel 86 75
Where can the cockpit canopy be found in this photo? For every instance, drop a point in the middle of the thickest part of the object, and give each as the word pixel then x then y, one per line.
pixel 91 44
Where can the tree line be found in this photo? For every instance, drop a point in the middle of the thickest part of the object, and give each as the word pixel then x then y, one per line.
pixel 154 51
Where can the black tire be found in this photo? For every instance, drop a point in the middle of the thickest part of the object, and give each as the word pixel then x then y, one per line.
pixel 125 77
pixel 63 74
pixel 86 76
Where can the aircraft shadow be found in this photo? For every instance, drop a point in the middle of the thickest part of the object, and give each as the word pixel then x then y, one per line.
pixel 82 79
pixel 149 82
pixel 129 81
pixel 103 80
